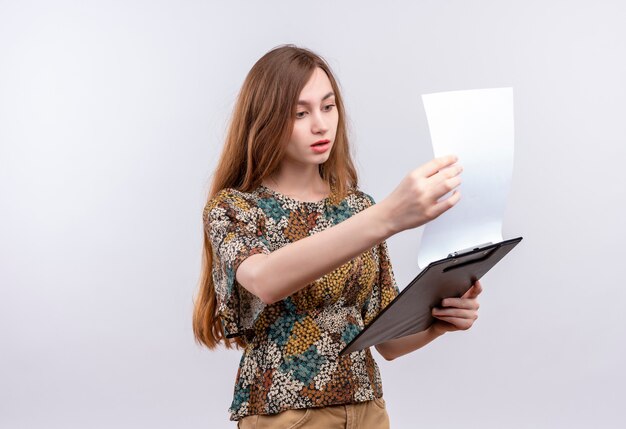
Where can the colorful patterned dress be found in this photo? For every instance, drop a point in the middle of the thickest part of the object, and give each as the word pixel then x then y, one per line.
pixel 292 357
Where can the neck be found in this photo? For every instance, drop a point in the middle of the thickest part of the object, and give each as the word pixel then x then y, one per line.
pixel 302 182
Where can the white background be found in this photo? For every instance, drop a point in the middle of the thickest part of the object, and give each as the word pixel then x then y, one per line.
pixel 112 116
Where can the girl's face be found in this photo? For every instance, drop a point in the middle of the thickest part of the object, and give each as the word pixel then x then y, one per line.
pixel 316 120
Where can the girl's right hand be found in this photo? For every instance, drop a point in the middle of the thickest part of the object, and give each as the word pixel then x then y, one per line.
pixel 414 202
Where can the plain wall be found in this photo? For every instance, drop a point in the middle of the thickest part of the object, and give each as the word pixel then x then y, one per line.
pixel 112 116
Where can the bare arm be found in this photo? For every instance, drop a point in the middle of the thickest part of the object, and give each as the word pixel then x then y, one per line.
pixel 401 346
pixel 411 204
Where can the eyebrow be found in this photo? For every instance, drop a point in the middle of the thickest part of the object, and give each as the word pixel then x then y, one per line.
pixel 306 103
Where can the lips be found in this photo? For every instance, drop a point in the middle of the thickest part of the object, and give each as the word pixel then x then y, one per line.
pixel 320 146
pixel 321 142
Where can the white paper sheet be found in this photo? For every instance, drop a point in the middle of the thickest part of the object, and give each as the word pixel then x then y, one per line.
pixel 477 126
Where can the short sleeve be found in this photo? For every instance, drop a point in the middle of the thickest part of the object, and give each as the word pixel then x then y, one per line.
pixel 385 287
pixel 234 229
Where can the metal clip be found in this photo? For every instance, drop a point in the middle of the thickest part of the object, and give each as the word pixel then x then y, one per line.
pixel 468 250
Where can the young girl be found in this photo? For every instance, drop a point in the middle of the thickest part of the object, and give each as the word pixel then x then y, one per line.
pixel 295 259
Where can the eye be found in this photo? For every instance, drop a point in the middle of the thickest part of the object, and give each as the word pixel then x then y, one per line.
pixel 329 107
pixel 300 115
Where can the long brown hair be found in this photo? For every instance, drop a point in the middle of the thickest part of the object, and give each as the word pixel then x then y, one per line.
pixel 259 130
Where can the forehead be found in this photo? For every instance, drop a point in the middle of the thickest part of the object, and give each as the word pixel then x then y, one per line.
pixel 317 86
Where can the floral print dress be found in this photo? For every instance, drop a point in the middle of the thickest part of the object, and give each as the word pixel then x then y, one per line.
pixel 292 356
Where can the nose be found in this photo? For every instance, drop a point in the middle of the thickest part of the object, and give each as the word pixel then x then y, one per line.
pixel 318 124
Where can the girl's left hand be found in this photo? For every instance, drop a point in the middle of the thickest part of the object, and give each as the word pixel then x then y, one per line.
pixel 457 313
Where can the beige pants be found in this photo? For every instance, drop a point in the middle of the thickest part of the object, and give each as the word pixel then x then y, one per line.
pixel 364 415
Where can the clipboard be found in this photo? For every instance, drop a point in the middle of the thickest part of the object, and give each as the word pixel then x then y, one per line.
pixel 410 311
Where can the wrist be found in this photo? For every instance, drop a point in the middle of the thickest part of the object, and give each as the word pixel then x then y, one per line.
pixel 436 330
pixel 383 220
